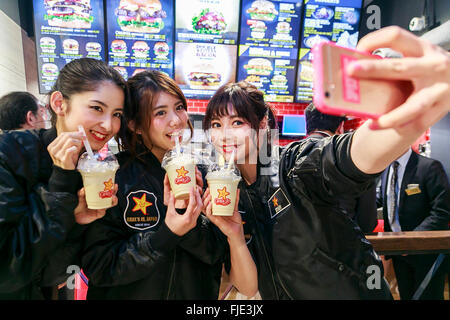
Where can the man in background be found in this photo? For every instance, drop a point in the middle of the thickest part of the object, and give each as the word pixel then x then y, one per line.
pixel 415 196
pixel 20 110
pixel 363 210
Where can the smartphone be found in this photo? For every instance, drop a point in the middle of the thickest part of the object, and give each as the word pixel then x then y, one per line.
pixel 337 93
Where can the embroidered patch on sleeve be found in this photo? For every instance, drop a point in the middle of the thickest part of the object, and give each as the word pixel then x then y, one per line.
pixel 141 212
pixel 278 202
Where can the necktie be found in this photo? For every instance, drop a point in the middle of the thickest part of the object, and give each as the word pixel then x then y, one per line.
pixel 393 190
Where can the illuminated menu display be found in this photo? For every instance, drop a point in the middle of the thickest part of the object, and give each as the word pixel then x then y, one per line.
pixel 325 20
pixel 140 36
pixel 66 31
pixel 268 46
pixel 205 51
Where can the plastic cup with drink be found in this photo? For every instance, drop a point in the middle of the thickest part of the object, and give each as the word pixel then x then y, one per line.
pixel 223 180
pixel 180 165
pixel 98 171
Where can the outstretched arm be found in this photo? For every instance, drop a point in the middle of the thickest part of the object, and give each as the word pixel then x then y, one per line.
pixel 428 68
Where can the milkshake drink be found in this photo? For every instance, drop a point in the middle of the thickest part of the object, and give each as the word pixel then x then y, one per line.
pixel 98 173
pixel 223 183
pixel 180 168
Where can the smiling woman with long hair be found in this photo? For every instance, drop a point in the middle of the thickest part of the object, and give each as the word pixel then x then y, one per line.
pixel 42 202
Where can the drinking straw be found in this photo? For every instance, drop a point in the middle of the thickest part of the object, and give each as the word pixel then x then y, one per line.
pixel 177 143
pixel 86 142
pixel 231 161
pixel 221 162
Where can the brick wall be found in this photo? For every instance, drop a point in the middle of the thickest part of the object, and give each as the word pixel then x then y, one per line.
pixel 280 109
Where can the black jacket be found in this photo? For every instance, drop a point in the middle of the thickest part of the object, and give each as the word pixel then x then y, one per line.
pixel 427 206
pixel 304 245
pixel 132 254
pixel 39 237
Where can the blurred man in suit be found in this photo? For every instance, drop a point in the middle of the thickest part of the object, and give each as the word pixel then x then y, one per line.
pixel 415 196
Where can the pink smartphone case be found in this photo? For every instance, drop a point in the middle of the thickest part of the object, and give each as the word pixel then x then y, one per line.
pixel 318 96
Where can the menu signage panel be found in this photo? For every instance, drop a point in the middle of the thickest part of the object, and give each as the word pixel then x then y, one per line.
pixel 66 30
pixel 140 36
pixel 268 46
pixel 324 20
pixel 205 49
pixel 210 21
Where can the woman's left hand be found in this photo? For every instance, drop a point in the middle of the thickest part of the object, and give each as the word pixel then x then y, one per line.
pixel 84 215
pixel 231 226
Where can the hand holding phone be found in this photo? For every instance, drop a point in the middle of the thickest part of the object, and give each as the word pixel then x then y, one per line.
pixel 338 93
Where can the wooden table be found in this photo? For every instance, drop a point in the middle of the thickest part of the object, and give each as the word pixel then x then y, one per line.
pixel 410 242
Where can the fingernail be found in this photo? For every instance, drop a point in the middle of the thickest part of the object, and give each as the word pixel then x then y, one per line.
pixel 354 67
pixel 374 125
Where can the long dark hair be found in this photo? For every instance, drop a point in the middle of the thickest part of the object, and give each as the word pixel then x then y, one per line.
pixel 143 89
pixel 82 75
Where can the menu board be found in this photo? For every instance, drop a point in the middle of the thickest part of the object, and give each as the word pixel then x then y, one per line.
pixel 65 31
pixel 325 20
pixel 210 21
pixel 268 46
pixel 140 36
pixel 205 49
pixel 203 67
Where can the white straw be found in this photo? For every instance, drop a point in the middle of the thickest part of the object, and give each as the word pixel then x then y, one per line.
pixel 177 143
pixel 86 142
pixel 231 161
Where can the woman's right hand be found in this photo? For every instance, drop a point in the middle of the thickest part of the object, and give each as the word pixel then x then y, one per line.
pixel 425 65
pixel 180 224
pixel 65 149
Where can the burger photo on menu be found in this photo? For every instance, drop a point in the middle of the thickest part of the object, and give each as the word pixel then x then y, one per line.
pixel 47 44
pixel 69 14
pixel 140 16
pixel 119 48
pixel 204 77
pixel 254 80
pixel 123 72
pixel 262 10
pixel 50 70
pixel 258 28
pixel 259 66
pixel 140 49
pixel 70 46
pixel 279 80
pixel 161 50
pixel 93 48
pixel 209 22
pixel 283 27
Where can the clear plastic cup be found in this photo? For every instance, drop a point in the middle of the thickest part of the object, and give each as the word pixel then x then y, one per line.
pixel 223 184
pixel 98 175
pixel 180 168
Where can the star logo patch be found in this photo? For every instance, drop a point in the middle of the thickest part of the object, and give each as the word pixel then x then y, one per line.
pixel 141 211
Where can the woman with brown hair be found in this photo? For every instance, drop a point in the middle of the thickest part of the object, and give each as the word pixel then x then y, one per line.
pixel 42 199
pixel 146 248
pixel 305 246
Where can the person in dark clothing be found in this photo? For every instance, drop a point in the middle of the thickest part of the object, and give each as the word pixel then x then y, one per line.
pixel 362 209
pixel 42 203
pixel 416 197
pixel 151 246
pixel 303 244
pixel 20 110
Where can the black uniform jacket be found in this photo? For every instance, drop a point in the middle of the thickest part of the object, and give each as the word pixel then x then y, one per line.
pixel 39 237
pixel 131 253
pixel 304 245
